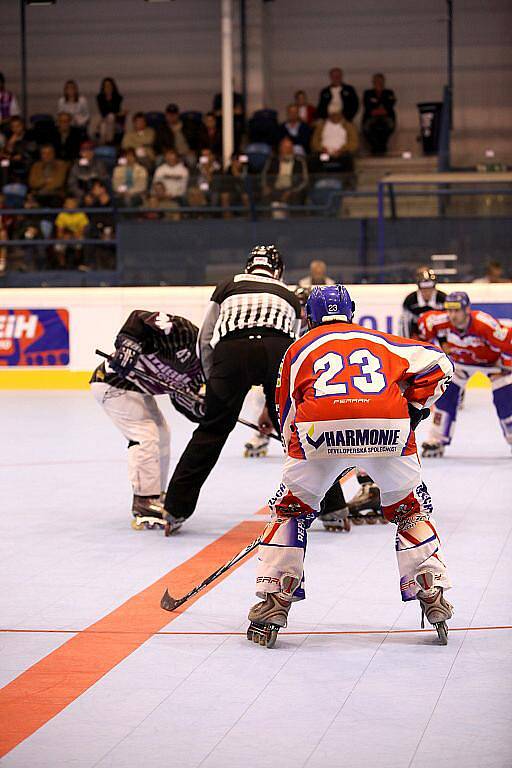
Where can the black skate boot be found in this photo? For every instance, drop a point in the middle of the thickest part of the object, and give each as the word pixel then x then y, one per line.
pixel 172 523
pixel 256 447
pixel 147 512
pixel 267 618
pixel 433 605
pixel 336 521
pixel 431 449
pixel 365 507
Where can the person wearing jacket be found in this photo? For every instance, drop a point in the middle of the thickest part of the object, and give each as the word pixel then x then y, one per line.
pixel 337 97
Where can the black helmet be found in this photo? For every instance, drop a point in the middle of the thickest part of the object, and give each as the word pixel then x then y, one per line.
pixel 265 258
pixel 425 277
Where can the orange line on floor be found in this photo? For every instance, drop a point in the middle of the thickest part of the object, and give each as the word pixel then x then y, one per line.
pixel 50 685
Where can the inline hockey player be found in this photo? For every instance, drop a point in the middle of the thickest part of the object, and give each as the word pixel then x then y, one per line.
pixel 163 347
pixel 475 341
pixel 348 395
pixel 425 299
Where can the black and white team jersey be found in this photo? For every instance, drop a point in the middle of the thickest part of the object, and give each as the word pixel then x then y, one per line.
pixel 415 305
pixel 168 353
pixel 244 304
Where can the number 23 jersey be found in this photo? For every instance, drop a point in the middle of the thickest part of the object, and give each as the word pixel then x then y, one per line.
pixel 344 390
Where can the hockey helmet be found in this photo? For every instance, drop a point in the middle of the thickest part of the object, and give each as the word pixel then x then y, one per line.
pixel 425 277
pixel 457 300
pixel 327 303
pixel 265 258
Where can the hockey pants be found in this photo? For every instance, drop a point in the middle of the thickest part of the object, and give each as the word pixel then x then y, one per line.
pixel 405 502
pixel 140 420
pixel 445 410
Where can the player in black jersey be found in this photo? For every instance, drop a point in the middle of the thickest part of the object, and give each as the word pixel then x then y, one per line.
pixel 155 355
pixel 427 297
pixel 251 320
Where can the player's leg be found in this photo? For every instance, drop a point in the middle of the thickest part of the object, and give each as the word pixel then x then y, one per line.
pixel 139 419
pixel 444 415
pixel 502 398
pixel 334 511
pixel 257 444
pixel 164 441
pixel 407 503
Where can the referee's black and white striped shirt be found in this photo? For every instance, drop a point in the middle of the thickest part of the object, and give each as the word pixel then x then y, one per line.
pixel 244 304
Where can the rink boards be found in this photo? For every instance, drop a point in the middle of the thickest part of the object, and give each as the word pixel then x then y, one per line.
pixel 48 335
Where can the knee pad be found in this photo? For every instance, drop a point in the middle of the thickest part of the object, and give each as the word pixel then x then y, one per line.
pixel 414 508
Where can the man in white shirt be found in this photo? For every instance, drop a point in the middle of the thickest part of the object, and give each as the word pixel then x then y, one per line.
pixel 337 97
pixel 173 174
pixel 317 275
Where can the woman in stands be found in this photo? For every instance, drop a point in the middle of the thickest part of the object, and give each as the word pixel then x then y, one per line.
pixel 109 102
pixel 76 105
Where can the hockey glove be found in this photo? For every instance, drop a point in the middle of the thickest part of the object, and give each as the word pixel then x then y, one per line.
pixel 417 414
pixel 190 403
pixel 126 355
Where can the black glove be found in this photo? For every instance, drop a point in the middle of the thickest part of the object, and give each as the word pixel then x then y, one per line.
pixel 190 403
pixel 126 355
pixel 417 414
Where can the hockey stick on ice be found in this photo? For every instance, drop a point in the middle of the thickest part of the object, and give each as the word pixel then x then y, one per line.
pixel 194 398
pixel 169 603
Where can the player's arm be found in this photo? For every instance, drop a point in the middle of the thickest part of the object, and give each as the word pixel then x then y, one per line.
pixel 497 336
pixel 204 348
pixel 130 343
pixel 429 373
pixel 285 404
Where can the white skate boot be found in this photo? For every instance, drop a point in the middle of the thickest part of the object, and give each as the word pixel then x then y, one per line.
pixel 267 618
pixel 433 605
pixel 432 449
pixel 257 446
pixel 336 521
pixel 147 512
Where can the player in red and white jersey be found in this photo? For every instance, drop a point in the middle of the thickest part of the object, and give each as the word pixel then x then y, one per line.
pixel 476 342
pixel 348 396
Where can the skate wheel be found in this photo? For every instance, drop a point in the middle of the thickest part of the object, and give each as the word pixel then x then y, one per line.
pixel 358 520
pixel 137 526
pixel 442 632
pixel 262 634
pixel 371 519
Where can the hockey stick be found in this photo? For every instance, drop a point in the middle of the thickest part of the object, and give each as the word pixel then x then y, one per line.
pixel 194 398
pixel 169 603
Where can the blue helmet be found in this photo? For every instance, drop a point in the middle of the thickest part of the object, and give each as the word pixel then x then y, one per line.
pixel 329 302
pixel 457 300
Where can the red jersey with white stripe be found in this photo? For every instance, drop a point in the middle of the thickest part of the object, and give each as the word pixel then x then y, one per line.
pixel 344 390
pixel 483 343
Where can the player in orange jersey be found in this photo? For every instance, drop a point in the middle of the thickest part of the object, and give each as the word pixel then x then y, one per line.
pixel 476 342
pixel 349 396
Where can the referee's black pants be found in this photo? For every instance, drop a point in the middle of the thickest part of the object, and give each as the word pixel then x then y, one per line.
pixel 238 364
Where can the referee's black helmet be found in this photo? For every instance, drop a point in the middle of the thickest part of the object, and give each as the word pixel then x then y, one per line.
pixel 266 259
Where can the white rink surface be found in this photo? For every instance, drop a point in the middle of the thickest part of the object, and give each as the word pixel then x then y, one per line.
pixel 68 557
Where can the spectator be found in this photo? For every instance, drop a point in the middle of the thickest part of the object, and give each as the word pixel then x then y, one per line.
pixel 66 138
pixel 284 178
pixel 141 139
pixel 75 105
pixel 130 179
pixel 317 275
pixel 211 135
pixel 173 134
pixel 335 141
pixel 230 187
pixel 25 257
pixel 337 97
pixel 5 225
pixel 47 177
pixel 8 104
pixel 493 274
pixel 199 192
pixel 19 149
pixel 70 224
pixel 109 102
pixel 85 171
pixel 238 116
pixel 158 199
pixel 306 110
pixel 379 115
pixel 101 225
pixel 296 130
pixel 173 174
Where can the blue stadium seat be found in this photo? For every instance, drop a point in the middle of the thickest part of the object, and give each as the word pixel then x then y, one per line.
pixel 108 155
pixel 41 118
pixel 154 119
pixel 324 193
pixel 192 116
pixel 257 152
pixel 14 195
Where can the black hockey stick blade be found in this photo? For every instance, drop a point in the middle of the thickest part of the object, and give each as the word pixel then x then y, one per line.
pixel 168 603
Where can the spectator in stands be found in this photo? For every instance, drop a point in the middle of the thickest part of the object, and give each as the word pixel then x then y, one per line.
pixel 173 174
pixel 141 139
pixel 47 177
pixel 101 226
pixel 158 199
pixel 66 138
pixel 8 104
pixel 335 141
pixel 174 134
pixel 70 224
pixel 19 149
pixel 130 179
pixel 379 118
pixel 110 107
pixel 230 188
pixel 317 275
pixel 75 105
pixel 296 130
pixel 85 171
pixel 27 228
pixel 238 116
pixel 211 135
pixel 306 111
pixel 285 178
pixel 200 186
pixel 337 97
pixel 493 274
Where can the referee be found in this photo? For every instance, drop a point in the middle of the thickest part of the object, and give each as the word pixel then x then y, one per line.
pixel 251 321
